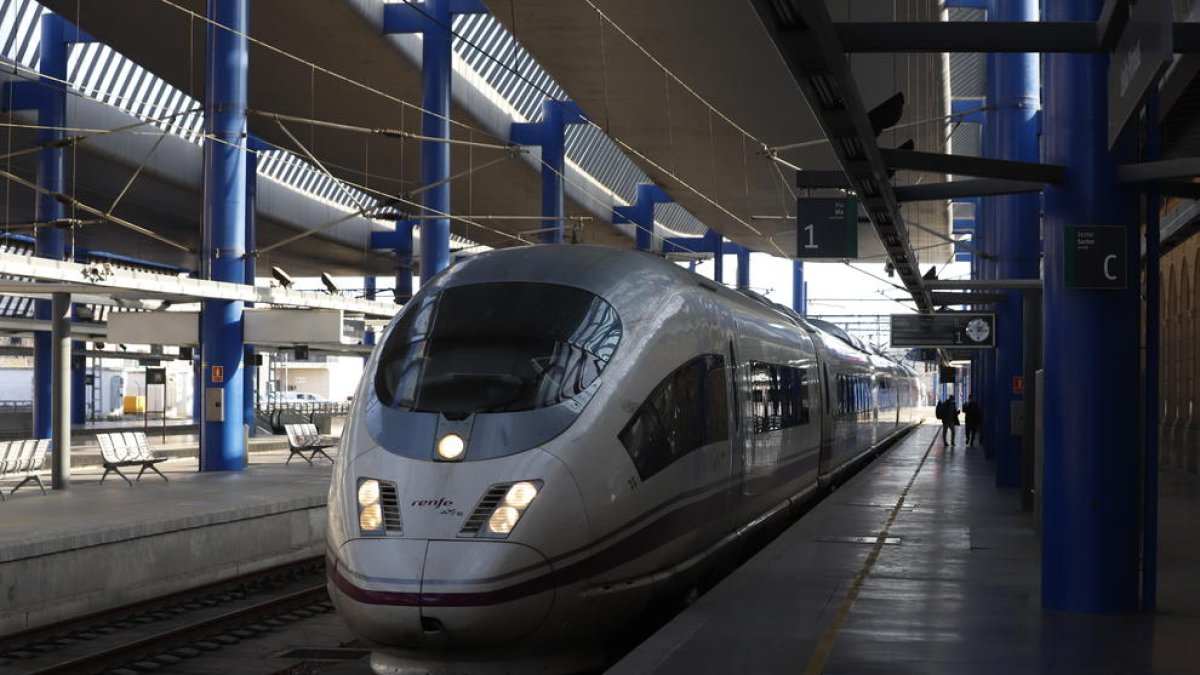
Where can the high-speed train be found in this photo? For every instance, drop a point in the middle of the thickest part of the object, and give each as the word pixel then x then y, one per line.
pixel 547 438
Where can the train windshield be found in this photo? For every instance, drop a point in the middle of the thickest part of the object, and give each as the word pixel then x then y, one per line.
pixel 500 347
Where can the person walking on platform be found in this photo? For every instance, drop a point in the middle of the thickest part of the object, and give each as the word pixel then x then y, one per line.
pixel 974 419
pixel 948 413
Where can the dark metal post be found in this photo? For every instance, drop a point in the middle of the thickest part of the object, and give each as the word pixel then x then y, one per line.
pixel 250 380
pixel 1150 416
pixel 1032 362
pixel 60 390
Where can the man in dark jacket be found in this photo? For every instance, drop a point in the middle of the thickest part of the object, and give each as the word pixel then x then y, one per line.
pixel 949 418
pixel 974 420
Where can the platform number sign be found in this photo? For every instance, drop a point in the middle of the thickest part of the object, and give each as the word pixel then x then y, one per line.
pixel 826 228
pixel 1096 257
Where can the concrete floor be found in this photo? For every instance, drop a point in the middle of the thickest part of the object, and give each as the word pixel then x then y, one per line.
pixel 97 546
pixel 953 588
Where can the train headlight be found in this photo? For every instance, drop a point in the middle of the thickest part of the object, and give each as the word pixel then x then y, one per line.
pixel 368 492
pixel 520 494
pixel 503 520
pixel 450 447
pixel 370 511
pixel 504 505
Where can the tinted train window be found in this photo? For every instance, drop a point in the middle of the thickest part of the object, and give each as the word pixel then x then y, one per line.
pixel 779 395
pixel 496 348
pixel 687 410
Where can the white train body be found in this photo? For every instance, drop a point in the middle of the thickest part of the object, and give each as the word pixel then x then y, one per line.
pixel 657 417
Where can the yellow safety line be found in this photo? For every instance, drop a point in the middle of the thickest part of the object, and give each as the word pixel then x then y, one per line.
pixel 816 663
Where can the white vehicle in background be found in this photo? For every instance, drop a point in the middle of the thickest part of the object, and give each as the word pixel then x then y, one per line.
pixel 285 397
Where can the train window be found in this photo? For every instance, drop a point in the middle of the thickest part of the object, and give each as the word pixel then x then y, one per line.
pixel 780 397
pixel 499 347
pixel 687 410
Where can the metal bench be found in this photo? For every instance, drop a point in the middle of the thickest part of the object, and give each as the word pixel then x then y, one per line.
pixel 130 448
pixel 304 438
pixel 23 458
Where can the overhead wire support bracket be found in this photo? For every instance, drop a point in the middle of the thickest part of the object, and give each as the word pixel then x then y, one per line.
pixel 804 34
pixel 862 37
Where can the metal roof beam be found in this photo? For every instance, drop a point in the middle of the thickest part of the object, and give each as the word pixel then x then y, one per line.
pixel 990 36
pixel 986 284
pixel 955 299
pixel 1185 168
pixel 962 189
pixel 980 167
pixel 81 278
pixel 805 37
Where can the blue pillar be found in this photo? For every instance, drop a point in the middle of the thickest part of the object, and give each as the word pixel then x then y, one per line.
pixel 1015 228
pixel 221 326
pixel 404 261
pixel 435 124
pixel 985 228
pixel 1091 487
pixel 52 117
pixel 548 133
pixel 49 99
pixel 743 268
pixel 641 214
pixel 719 259
pixel 432 19
pixel 799 291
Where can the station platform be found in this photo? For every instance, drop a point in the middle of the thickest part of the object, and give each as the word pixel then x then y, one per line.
pixel 98 546
pixel 920 565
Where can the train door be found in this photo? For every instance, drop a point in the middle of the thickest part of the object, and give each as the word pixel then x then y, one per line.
pixel 828 409
pixel 738 433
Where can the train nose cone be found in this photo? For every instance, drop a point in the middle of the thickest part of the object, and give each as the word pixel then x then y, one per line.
pixel 376 585
pixel 484 593
pixel 414 593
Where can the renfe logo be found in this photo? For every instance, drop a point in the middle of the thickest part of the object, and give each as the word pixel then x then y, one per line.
pixel 435 503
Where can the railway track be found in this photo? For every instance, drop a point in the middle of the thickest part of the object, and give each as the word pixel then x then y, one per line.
pixel 161 633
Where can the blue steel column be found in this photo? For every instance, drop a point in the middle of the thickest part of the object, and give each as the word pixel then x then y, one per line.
pixel 743 268
pixel 435 124
pixel 548 134
pixel 1016 230
pixel 799 301
pixel 985 227
pixel 51 242
pixel 221 326
pixel 641 214
pixel 553 165
pixel 718 258
pixel 1090 495
pixel 404 261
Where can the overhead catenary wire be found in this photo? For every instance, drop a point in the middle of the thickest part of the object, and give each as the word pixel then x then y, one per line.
pixel 321 69
pixel 76 204
pixel 586 120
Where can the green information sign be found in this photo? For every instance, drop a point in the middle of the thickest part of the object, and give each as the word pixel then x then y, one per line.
pixel 826 228
pixel 1096 257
